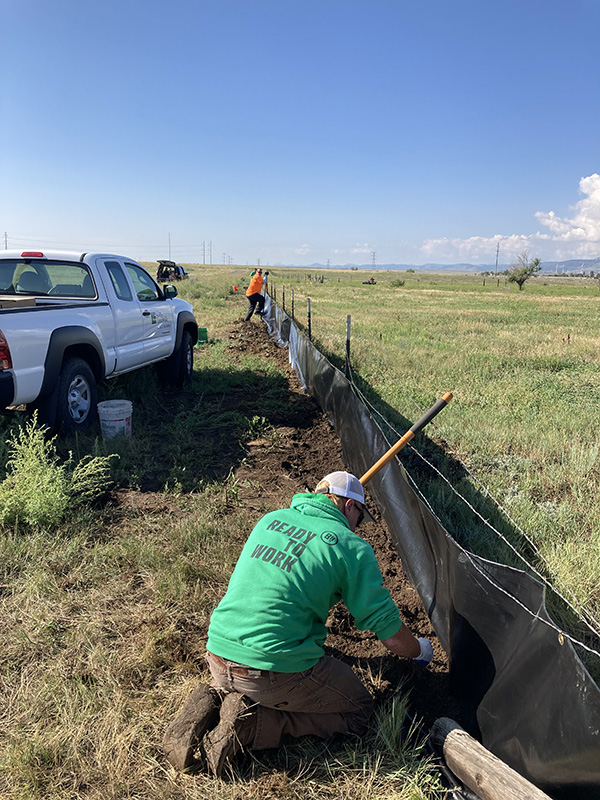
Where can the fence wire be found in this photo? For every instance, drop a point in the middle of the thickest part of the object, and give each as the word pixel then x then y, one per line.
pixel 585 617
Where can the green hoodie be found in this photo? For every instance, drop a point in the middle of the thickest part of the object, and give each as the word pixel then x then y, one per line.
pixel 296 564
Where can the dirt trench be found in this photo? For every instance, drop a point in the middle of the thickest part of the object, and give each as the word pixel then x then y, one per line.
pixel 303 450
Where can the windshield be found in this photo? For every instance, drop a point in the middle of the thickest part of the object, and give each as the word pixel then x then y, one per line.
pixel 46 278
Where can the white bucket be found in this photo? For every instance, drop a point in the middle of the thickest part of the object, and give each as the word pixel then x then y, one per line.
pixel 115 418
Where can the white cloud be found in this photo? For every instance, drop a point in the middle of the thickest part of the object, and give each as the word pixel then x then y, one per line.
pixel 303 250
pixel 574 237
pixel 585 223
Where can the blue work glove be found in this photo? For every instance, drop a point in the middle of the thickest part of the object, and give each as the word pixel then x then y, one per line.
pixel 426 654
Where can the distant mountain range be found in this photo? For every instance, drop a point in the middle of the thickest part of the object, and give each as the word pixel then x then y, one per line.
pixel 572 265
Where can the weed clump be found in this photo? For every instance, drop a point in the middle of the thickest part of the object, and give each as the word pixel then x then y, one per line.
pixel 38 490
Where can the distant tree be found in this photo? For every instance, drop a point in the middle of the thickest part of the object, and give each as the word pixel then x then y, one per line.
pixel 522 269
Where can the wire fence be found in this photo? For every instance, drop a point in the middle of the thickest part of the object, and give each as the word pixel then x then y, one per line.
pixel 340 339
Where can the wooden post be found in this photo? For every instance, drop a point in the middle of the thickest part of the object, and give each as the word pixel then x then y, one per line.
pixel 283 297
pixel 348 318
pixel 292 304
pixel 309 323
pixel 477 768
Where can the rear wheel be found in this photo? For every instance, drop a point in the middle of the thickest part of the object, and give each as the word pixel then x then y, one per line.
pixel 77 396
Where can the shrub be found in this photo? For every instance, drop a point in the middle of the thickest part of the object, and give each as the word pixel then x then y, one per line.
pixel 38 490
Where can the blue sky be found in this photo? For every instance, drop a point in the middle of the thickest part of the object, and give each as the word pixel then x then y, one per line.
pixel 302 131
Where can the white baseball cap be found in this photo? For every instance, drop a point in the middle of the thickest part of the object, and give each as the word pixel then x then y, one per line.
pixel 343 484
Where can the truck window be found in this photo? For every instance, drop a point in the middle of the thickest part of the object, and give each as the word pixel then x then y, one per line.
pixel 143 285
pixel 119 281
pixel 70 280
pixel 47 277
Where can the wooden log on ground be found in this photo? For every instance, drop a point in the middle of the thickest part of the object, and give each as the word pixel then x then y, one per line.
pixel 477 768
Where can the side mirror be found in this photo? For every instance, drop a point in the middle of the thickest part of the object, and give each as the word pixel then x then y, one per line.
pixel 169 291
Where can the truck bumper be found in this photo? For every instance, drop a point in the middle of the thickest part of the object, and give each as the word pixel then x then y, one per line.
pixel 7 388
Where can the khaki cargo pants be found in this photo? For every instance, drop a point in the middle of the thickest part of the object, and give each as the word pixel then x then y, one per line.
pixel 322 701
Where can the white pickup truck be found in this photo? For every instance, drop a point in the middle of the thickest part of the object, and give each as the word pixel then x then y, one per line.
pixel 69 320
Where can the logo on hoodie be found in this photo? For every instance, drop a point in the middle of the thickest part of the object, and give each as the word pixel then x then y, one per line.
pixel 329 537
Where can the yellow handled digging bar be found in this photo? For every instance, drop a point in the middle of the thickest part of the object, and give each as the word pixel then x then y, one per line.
pixel 410 434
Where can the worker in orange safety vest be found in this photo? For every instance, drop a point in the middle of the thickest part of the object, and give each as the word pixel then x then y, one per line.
pixel 254 295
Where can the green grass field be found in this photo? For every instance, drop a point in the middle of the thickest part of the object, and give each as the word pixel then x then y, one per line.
pixel 524 368
pixel 104 605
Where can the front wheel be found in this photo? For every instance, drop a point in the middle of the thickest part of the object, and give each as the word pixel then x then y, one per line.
pixel 77 396
pixel 185 359
pixel 177 368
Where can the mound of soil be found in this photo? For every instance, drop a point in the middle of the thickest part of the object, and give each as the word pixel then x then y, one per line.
pixel 304 449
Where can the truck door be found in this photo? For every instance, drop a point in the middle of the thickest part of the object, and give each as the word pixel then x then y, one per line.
pixel 158 315
pixel 130 327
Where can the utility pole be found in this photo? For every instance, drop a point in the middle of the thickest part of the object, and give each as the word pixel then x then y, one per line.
pixel 373 258
pixel 210 253
pixel 224 257
pixel 497 251
pixel 203 253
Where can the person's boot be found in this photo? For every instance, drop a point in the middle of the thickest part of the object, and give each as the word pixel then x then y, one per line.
pixel 199 714
pixel 235 731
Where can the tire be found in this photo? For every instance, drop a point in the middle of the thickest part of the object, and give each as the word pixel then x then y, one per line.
pixel 186 359
pixel 77 398
pixel 177 368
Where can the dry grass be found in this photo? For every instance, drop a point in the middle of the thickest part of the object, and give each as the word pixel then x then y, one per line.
pixel 103 635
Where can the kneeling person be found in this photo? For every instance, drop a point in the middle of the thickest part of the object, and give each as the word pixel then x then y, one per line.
pixel 265 638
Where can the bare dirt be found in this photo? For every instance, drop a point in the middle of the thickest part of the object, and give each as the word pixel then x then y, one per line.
pixel 276 467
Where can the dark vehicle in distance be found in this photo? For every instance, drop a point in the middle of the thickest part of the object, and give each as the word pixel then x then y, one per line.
pixel 170 271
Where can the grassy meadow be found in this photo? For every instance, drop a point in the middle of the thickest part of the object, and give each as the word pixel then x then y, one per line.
pixel 104 605
pixel 524 368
